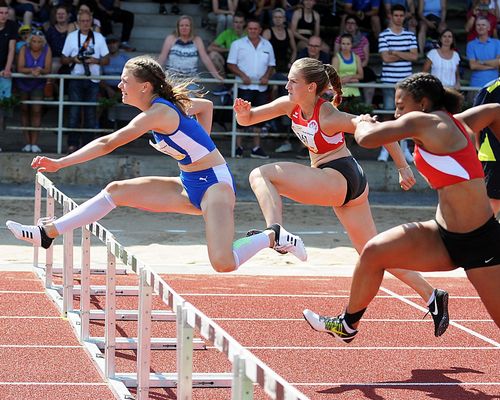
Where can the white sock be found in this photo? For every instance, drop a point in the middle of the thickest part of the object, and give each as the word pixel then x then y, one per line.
pixel 431 299
pixel 245 248
pixel 90 211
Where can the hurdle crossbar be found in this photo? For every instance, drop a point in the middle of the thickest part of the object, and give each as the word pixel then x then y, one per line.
pixel 247 369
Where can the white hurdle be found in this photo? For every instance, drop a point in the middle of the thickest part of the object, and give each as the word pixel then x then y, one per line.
pixel 247 369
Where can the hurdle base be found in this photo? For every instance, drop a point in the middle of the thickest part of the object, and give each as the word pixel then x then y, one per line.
pixel 200 380
pixel 126 343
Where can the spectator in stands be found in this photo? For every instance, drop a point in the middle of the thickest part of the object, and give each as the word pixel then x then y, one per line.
pixel 182 50
pixel 219 48
pixel 8 33
pixel 251 59
pixel 27 10
pixel 263 12
pixel 35 59
pixel 109 88
pixel 85 51
pixel 289 6
pixel 411 21
pixel 443 62
pixel 110 10
pixel 56 35
pixel 398 49
pixel 222 14
pixel 86 6
pixel 367 12
pixel 24 33
pixel 305 23
pixel 348 66
pixel 484 55
pixel 432 15
pixel 361 47
pixel 480 8
pixel 285 52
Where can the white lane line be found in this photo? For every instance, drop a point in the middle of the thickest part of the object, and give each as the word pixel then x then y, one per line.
pixel 364 320
pixel 349 348
pixel 54 383
pixel 403 384
pixel 19 292
pixel 342 296
pixel 28 317
pixel 453 323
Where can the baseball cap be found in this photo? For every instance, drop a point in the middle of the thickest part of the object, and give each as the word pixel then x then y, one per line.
pixel 24 29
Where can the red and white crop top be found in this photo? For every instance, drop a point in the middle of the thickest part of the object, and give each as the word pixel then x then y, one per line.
pixel 310 133
pixel 442 170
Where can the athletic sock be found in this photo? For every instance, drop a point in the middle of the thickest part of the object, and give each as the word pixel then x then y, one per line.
pixel 431 299
pixel 351 319
pixel 90 211
pixel 246 247
pixel 45 240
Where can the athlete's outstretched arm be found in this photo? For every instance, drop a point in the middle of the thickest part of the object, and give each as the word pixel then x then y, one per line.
pixel 246 115
pixel 203 110
pixel 480 117
pixel 145 121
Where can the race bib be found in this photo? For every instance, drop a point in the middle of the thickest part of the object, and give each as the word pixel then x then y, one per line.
pixel 306 134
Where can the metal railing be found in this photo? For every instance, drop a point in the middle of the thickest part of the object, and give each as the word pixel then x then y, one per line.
pixel 60 103
pixel 247 369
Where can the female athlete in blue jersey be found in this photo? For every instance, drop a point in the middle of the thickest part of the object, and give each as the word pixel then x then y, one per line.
pixel 205 185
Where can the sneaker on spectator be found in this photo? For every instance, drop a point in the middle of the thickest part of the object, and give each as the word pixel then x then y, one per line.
pixel 303 154
pixel 239 152
pixel 35 149
pixel 383 155
pixel 257 152
pixel 284 148
pixel 125 46
pixel 175 9
pixel 162 10
pixel 26 148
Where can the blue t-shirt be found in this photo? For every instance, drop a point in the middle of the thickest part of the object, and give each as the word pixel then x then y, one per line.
pixel 477 50
pixel 363 5
pixel 188 143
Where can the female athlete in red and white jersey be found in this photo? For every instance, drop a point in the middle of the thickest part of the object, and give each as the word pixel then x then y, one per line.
pixel 464 232
pixel 334 178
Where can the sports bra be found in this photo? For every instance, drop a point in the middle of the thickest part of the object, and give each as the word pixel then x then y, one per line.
pixel 442 170
pixel 310 133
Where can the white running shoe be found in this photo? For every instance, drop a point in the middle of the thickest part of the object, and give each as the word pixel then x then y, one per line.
pixel 26 148
pixel 28 233
pixel 284 148
pixel 335 326
pixel 286 242
pixel 35 149
pixel 383 155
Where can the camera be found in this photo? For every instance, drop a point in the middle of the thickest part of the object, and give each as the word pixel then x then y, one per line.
pixel 84 54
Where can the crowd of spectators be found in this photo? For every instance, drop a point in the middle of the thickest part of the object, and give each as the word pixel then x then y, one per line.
pixel 254 41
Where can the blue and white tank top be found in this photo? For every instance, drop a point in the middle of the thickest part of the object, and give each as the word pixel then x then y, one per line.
pixel 183 58
pixel 188 143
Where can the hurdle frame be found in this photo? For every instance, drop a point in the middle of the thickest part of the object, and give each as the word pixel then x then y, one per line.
pixel 247 369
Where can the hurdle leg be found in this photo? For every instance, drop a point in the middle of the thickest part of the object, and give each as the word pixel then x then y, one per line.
pixel 67 266
pixel 144 337
pixel 49 253
pixel 37 213
pixel 184 355
pixel 242 386
pixel 85 286
pixel 110 316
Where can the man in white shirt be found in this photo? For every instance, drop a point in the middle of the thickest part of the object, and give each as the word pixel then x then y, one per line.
pixel 86 51
pixel 251 59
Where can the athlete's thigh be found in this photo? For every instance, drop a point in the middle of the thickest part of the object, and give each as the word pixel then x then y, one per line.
pixel 153 193
pixel 416 246
pixel 486 280
pixel 218 211
pixel 322 187
pixel 356 218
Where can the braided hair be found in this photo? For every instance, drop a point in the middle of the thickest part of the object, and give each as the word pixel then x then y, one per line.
pixel 147 69
pixel 423 84
pixel 323 74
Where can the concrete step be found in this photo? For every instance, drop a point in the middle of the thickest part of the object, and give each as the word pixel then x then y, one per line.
pixel 138 7
pixel 145 43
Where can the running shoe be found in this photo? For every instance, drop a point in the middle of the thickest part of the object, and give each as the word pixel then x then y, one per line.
pixel 439 311
pixel 33 234
pixel 335 326
pixel 285 242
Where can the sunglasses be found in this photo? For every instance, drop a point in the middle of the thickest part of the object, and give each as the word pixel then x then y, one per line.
pixel 37 33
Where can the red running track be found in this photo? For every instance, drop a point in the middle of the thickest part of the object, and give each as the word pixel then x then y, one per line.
pixel 395 355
